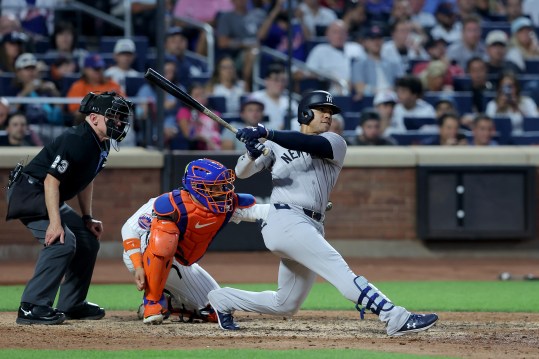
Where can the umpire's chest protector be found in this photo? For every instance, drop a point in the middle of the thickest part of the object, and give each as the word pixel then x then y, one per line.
pixel 198 226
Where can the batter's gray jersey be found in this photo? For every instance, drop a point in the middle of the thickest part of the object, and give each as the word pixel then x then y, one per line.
pixel 298 177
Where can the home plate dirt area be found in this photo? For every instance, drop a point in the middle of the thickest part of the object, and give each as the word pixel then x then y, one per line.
pixel 464 335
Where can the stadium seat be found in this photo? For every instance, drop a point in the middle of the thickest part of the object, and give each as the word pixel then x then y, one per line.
pixel 351 120
pixel 463 100
pixel 411 137
pixel 487 26
pixel 41 46
pixel 504 127
pixel 133 84
pixel 6 80
pixel 532 66
pixel 415 123
pixel 462 83
pixel 66 82
pixel 344 102
pixel 217 103
pixel 530 138
pixel 530 124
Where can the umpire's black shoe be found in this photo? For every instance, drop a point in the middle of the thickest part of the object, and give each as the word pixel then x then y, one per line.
pixel 417 323
pixel 86 311
pixel 39 314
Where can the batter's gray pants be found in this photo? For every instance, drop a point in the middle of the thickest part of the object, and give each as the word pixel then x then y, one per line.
pixel 75 259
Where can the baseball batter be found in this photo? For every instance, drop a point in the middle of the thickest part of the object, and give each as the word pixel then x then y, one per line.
pixel 197 211
pixel 305 166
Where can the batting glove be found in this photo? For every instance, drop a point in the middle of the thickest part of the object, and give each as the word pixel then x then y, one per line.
pixel 248 134
pixel 254 149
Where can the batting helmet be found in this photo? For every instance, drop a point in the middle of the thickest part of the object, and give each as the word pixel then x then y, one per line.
pixel 210 183
pixel 314 99
pixel 116 109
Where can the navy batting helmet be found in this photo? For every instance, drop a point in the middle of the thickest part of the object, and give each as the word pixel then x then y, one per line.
pixel 210 183
pixel 314 99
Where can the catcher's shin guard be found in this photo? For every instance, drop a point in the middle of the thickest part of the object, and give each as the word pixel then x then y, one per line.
pixel 371 298
pixel 157 261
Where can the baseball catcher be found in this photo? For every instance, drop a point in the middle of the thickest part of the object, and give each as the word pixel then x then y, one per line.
pixel 165 238
pixel 305 166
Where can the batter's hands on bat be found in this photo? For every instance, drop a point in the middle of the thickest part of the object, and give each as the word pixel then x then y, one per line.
pixel 140 280
pixel 248 134
pixel 254 149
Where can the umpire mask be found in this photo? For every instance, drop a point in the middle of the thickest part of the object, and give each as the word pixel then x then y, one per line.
pixel 116 109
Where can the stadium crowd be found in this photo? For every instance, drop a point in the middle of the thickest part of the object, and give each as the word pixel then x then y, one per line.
pixel 436 72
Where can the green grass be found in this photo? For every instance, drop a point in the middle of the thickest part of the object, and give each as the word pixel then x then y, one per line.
pixel 208 354
pixel 490 296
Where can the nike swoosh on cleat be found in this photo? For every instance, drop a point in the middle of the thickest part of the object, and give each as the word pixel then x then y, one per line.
pixel 26 312
pixel 198 225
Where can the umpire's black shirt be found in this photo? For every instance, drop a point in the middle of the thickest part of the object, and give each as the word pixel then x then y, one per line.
pixel 74 158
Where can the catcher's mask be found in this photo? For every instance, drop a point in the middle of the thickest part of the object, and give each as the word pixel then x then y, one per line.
pixel 210 183
pixel 315 99
pixel 116 109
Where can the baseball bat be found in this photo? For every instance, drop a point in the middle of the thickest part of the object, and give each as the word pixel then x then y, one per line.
pixel 169 87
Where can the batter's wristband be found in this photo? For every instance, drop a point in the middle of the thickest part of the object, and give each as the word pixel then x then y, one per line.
pixel 86 218
pixel 270 135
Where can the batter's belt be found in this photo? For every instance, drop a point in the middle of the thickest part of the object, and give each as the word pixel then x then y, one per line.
pixel 312 214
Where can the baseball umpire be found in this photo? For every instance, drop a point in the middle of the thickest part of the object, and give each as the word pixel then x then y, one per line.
pixel 37 193
pixel 174 230
pixel 305 166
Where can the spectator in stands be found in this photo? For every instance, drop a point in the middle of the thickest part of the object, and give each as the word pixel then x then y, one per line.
pixel 144 18
pixel 496 42
pixel 469 45
pixel 370 131
pixel 356 20
pixel 374 73
pixel 36 16
pixel 92 80
pixel 9 23
pixel 379 10
pixel 274 32
pixel 146 112
pixel 433 77
pixel 61 68
pixel 449 134
pixel 405 45
pixel 225 82
pixel 483 130
pixel 175 47
pixel 436 49
pixel 203 11
pixel 385 102
pixel 524 44
pixel 201 131
pixel 479 83
pixel 530 8
pixel 313 14
pixel 17 132
pixel 4 112
pixel 124 55
pixel 28 83
pixel 409 92
pixel 334 57
pixel 509 102
pixel 12 45
pixel 448 27
pixel 64 43
pixel 274 98
pixel 236 36
pixel 420 16
pixel 337 124
pixel 445 104
pixel 513 9
pixel 251 114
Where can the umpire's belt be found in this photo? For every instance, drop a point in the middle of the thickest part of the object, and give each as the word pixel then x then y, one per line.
pixel 314 215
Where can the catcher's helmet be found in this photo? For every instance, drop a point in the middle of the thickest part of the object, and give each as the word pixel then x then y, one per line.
pixel 314 99
pixel 116 109
pixel 210 183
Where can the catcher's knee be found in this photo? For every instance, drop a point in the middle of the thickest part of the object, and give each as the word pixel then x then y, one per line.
pixel 163 239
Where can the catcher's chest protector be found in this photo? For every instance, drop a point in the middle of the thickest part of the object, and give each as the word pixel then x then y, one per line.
pixel 198 226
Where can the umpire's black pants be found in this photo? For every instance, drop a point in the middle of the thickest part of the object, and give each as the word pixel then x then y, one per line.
pixel 75 259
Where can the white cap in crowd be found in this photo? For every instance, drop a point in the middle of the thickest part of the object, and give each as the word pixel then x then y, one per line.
pixel 496 37
pixel 25 60
pixel 385 96
pixel 124 45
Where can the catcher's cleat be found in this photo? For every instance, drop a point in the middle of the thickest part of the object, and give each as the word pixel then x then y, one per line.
pixel 226 321
pixel 417 323
pixel 153 313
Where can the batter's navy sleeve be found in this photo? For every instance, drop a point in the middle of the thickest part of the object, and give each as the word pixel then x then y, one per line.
pixel 297 141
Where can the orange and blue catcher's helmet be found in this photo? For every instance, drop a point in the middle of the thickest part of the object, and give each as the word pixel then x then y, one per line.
pixel 211 183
